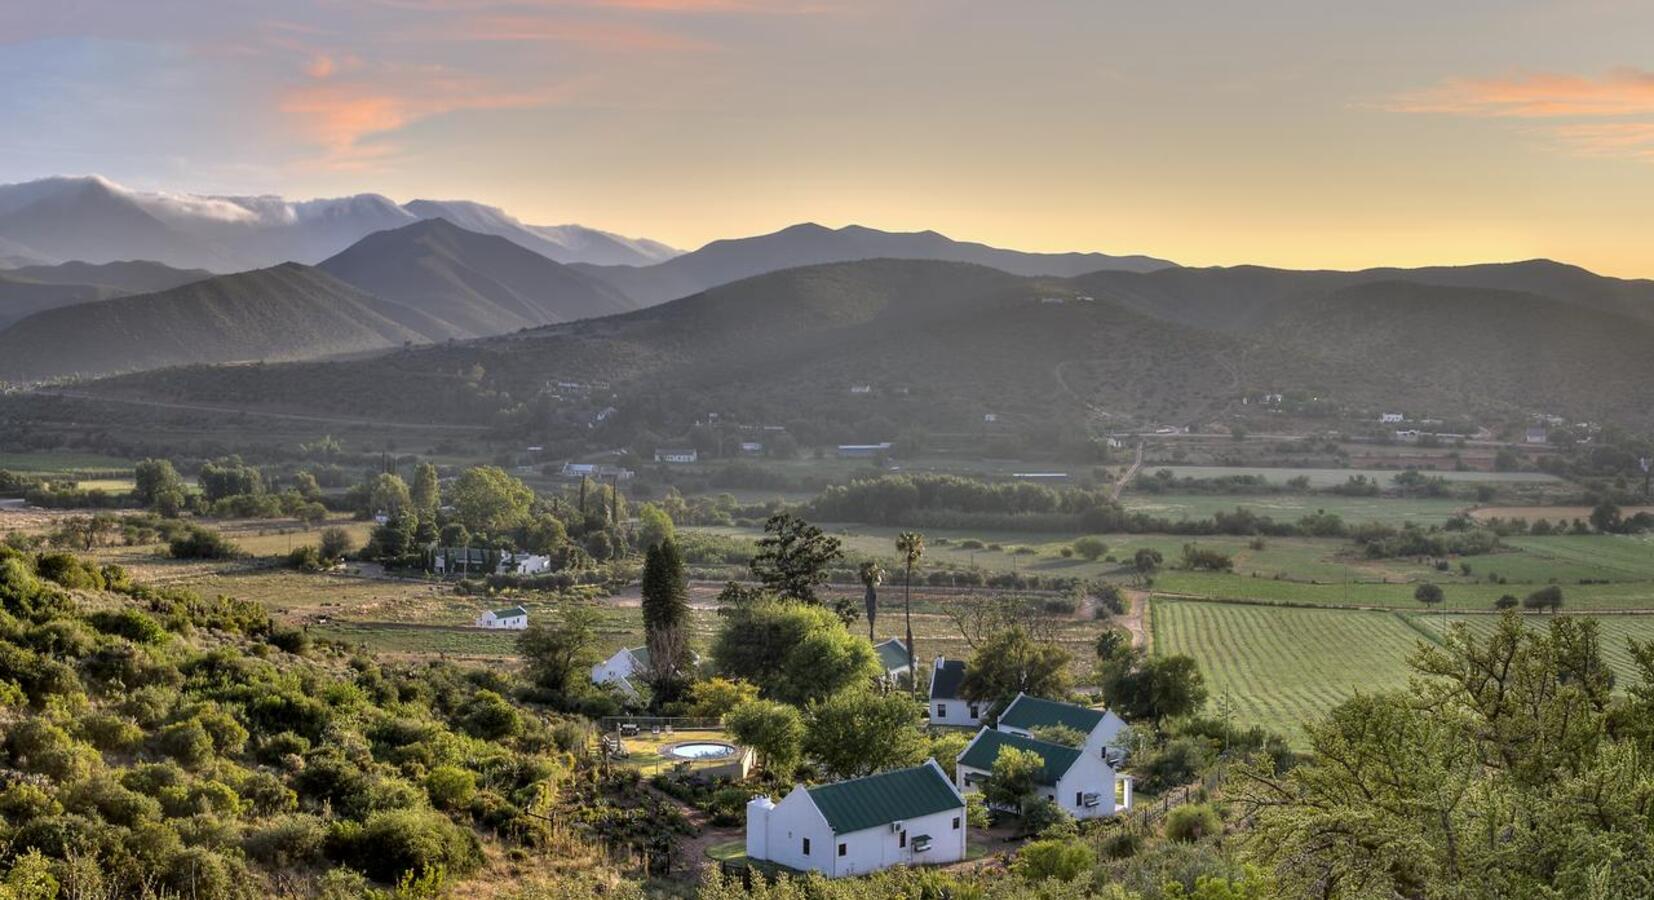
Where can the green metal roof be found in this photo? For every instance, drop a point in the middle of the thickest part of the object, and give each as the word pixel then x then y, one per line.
pixel 641 654
pixel 509 613
pixel 945 680
pixel 892 654
pixel 986 748
pixel 883 798
pixel 1028 713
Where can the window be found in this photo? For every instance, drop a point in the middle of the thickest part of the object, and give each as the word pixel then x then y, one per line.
pixel 1079 798
pixel 976 711
pixel 843 849
pixel 955 823
pixel 806 846
pixel 941 710
pixel 901 839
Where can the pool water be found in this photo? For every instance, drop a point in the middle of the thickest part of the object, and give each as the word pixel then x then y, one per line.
pixel 701 750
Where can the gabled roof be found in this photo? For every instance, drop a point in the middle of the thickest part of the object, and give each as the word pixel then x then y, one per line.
pixel 510 613
pixel 945 680
pixel 887 797
pixel 641 654
pixel 892 654
pixel 1028 713
pixel 987 744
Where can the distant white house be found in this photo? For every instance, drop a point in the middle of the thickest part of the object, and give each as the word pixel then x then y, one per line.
pixel 1391 418
pixel 946 706
pixel 904 817
pixel 676 456
pixel 861 389
pixel 892 657
pixel 1106 734
pixel 752 448
pixel 514 619
pixel 599 471
pixel 523 564
pixel 621 668
pixel 854 451
pixel 1082 783
pixel 990 418
pixel 1537 436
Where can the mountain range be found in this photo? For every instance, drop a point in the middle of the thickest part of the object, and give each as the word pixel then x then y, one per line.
pixel 31 289
pixel 92 219
pixel 808 244
pixel 865 349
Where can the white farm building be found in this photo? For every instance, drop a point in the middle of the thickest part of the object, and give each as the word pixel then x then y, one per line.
pixel 904 817
pixel 947 707
pixel 1079 781
pixel 514 619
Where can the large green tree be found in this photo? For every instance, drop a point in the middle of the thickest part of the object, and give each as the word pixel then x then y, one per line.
pixel 858 733
pixel 774 730
pixel 1011 662
pixel 388 494
pixel 793 652
pixel 427 491
pixel 793 558
pixel 1138 686
pixel 560 653
pixel 153 480
pixel 666 621
pixel 1507 768
pixel 488 500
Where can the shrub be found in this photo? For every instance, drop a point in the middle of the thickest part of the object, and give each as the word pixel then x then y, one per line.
pixel 288 841
pixel 1092 548
pixel 405 840
pixel 450 787
pixel 129 623
pixel 336 542
pixel 1191 822
pixel 305 558
pixel 1054 859
pixel 202 543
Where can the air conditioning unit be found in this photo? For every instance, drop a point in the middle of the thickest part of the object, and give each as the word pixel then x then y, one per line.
pixel 1090 800
pixel 897 826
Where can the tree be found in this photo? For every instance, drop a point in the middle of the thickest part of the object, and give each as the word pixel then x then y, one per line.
pixel 488 500
pixel 1144 563
pixel 872 575
pixel 1014 778
pixel 1606 517
pixel 775 731
pixel 793 652
pixel 388 494
pixel 911 545
pixel 1059 734
pixel 229 477
pixel 336 542
pixel 427 491
pixel 716 698
pixel 559 654
pixel 154 478
pixel 1428 594
pixel 1506 601
pixel 793 557
pixel 1091 548
pixel 1548 597
pixel 666 620
pixel 1152 689
pixel 1462 783
pixel 858 733
pixel 654 525
pixel 1010 663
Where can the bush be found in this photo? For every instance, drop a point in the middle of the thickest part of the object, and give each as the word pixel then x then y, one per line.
pixel 129 623
pixel 336 542
pixel 305 558
pixel 1054 859
pixel 1191 822
pixel 202 543
pixel 405 840
pixel 450 787
pixel 286 842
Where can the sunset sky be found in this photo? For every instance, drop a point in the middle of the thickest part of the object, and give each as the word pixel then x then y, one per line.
pixel 1303 133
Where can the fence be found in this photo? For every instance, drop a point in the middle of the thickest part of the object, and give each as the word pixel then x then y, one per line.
pixel 1145 817
pixel 691 723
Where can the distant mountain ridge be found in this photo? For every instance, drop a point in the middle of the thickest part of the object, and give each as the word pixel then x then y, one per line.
pixel 93 219
pixel 478 284
pixel 31 289
pixel 808 244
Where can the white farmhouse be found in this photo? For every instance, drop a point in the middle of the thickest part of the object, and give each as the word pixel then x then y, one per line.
pixel 892 658
pixel 1391 418
pixel 1080 782
pixel 523 564
pixel 670 455
pixel 621 668
pixel 1104 730
pixel 513 619
pixel 905 817
pixel 946 706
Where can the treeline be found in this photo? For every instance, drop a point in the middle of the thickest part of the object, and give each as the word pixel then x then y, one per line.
pixel 901 499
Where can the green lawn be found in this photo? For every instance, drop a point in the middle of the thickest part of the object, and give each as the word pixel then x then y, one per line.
pixel 1461 593
pixel 1321 478
pixel 1279 667
pixel 1292 507
pixel 56 463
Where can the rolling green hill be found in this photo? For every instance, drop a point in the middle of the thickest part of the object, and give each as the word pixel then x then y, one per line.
pixel 31 289
pixel 476 284
pixel 285 312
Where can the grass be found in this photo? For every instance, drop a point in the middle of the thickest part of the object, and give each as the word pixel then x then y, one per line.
pixel 1461 594
pixel 644 750
pixel 60 463
pixel 1292 507
pixel 1280 667
pixel 1321 478
pixel 728 851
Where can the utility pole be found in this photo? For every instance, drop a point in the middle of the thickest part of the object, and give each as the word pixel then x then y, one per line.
pixel 1646 462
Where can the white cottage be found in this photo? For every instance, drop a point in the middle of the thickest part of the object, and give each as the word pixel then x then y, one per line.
pixel 619 669
pixel 892 658
pixel 1080 782
pixel 514 619
pixel 946 706
pixel 905 817
pixel 1105 732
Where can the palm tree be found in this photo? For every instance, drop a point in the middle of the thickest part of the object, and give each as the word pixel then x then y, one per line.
pixel 872 575
pixel 911 544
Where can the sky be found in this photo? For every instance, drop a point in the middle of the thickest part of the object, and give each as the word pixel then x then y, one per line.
pixel 1301 133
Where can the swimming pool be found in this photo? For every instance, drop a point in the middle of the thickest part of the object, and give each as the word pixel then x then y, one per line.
pixel 699 750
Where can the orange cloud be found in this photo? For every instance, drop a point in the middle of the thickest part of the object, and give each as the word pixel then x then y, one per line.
pixel 341 119
pixel 1621 92
pixel 1615 139
pixel 320 67
pixel 533 29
